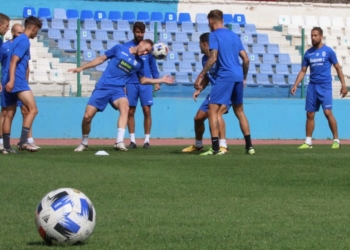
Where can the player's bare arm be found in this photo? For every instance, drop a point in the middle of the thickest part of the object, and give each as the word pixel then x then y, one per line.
pixel 204 84
pixel 13 64
pixel 97 61
pixel 343 89
pixel 211 61
pixel 300 77
pixel 164 79
pixel 245 64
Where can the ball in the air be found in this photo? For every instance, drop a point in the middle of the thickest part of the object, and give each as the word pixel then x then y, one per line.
pixel 160 51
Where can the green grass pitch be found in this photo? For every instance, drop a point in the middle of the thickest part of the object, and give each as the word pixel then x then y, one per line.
pixel 280 198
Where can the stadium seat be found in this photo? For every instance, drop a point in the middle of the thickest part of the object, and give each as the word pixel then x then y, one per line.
pixel 157 17
pixel 129 16
pixel 293 30
pixel 258 48
pixel 44 13
pixel 28 11
pixel 114 15
pixel 240 19
pixel 254 58
pixel 89 55
pixel 203 27
pixel 295 68
pixel 250 81
pixel 262 38
pixel 169 66
pixel 297 20
pixel 165 37
pixel 201 18
pixel 282 69
pixel 182 77
pixel 90 24
pixel 170 17
pixel 324 21
pixel 252 69
pixel 85 15
pixel 100 15
pixel 262 79
pixel 181 37
pixel 273 49
pixel 194 76
pixel 143 16
pixel 101 35
pixel 292 78
pixel 250 29
pixel 284 58
pixel 111 44
pixel 123 25
pixel 45 25
pixel 247 38
pixel 57 77
pixel 40 76
pixel 187 27
pixel 193 46
pixel 64 44
pixel 338 22
pixel 185 66
pixel 228 19
pixel 96 45
pixel 83 45
pixel 172 56
pixel 198 66
pixel 177 46
pixel 345 41
pixel 171 26
pixel 184 17
pixel 311 21
pixel 246 47
pixel 120 36
pixel 269 58
pixel 85 35
pixel 283 20
pixel 57 23
pixel 54 34
pixel 236 28
pixel 43 64
pixel 107 24
pixel 266 68
pixel 195 37
pixel 278 79
pixel 102 67
pixel 152 25
pixel 342 51
pixel 60 13
pixel 72 14
pixel 188 56
pixel 347 60
pixel 70 34
pixel 149 35
pixel 72 24
pixel 336 31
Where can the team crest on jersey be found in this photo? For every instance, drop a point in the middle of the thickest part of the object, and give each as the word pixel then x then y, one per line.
pixel 324 53
pixel 135 62
pixel 317 54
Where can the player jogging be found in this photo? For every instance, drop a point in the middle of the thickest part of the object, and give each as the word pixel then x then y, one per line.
pixel 17 87
pixel 202 113
pixel 320 59
pixel 135 90
pixel 124 62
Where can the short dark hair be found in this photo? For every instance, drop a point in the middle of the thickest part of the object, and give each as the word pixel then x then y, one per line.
pixel 149 41
pixel 4 18
pixel 320 31
pixel 139 25
pixel 216 15
pixel 204 38
pixel 32 20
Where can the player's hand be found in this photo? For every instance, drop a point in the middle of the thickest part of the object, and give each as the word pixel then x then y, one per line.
pixel 75 70
pixel 293 90
pixel 343 91
pixel 9 86
pixel 167 79
pixel 156 87
pixel 0 88
pixel 197 83
pixel 244 83
pixel 196 94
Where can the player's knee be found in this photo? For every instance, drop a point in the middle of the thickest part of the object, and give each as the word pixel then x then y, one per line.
pixel 328 113
pixel 87 118
pixel 310 115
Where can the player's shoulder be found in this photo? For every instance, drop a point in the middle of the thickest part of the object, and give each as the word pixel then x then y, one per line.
pixel 327 48
pixel 130 43
pixel 310 51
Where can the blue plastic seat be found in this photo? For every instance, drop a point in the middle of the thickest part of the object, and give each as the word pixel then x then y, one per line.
pixel 100 15
pixel 240 19
pixel 152 25
pixel 195 36
pixel 193 46
pixel 85 35
pixel 171 26
pixel 278 79
pixel 157 16
pixel 107 24
pixel 123 25
pixel 246 47
pixel 114 15
pixel 83 45
pixel 203 27
pixel 198 66
pixel 282 69
pixel 101 35
pixel 89 55
pixel 236 28
pixel 194 76
pixel 187 27
pixel 72 14
pixel 185 66
pixel 170 17
pixel 60 13
pixel 292 78
pixel 111 43
pixel 149 35
pixel 269 58
pixel 70 34
pixel 184 17
pixel 250 80
pixel 172 56
pixel 250 29
pixel 165 37
pixel 44 13
pixel 252 69
pixel 266 68
pixel 57 23
pixel 228 19
pixel 45 25
pixel 254 58
pixel 90 24
pixel 182 77
pixel 181 37
pixel 201 18
pixel 258 48
pixel 247 38
pixel 284 58
pixel 188 56
pixel 119 36
pixel 262 38
pixel 143 16
pixel 129 16
pixel 262 79
pixel 64 44
pixel 96 45
pixel 169 66
pixel 85 15
pixel 178 46
pixel 72 24
pixel 273 49
pixel 28 11
pixel 102 67
pixel 54 34
pixel 295 68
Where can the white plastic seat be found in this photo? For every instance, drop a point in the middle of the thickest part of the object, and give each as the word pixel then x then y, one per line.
pixel 311 21
pixel 324 21
pixel 40 76
pixel 56 76
pixel 293 30
pixel 336 31
pixel 338 22
pixel 43 64
pixel 348 22
pixel 345 41
pixel 347 60
pixel 283 20
pixel 332 41
pixel 297 20
pixel 346 70
pixel 342 51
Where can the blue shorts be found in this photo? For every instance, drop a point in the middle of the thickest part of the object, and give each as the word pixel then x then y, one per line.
pixel 317 95
pixel 205 105
pixel 101 97
pixel 221 92
pixel 10 98
pixel 237 93
pixel 137 90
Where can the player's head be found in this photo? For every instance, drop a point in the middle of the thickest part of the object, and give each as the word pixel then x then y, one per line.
pixel 215 18
pixel 32 25
pixel 16 30
pixel 139 31
pixel 4 24
pixel 144 47
pixel 204 43
pixel 316 36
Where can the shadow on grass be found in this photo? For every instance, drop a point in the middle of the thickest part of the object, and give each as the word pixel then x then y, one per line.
pixel 37 243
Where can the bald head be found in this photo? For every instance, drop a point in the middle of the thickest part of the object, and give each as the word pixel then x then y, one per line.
pixel 16 30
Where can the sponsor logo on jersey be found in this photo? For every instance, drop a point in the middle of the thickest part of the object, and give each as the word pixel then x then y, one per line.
pixel 126 67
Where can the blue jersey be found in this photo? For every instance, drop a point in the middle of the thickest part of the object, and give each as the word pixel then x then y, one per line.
pixel 228 44
pixel 212 72
pixel 121 67
pixel 320 62
pixel 150 65
pixel 5 51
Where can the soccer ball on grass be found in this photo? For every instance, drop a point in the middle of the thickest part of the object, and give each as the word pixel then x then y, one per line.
pixel 160 51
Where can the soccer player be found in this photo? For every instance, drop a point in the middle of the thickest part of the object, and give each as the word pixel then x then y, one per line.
pixel 320 59
pixel 135 90
pixel 4 27
pixel 202 113
pixel 16 30
pixel 124 62
pixel 17 87
pixel 225 49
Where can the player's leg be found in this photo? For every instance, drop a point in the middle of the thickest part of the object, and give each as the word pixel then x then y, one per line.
pixel 146 98
pixel 6 128
pixel 327 104
pixel 199 128
pixel 222 129
pixel 2 117
pixel 132 92
pixel 24 112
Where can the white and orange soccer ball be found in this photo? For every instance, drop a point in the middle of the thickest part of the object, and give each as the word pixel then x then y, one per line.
pixel 160 51
pixel 65 216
